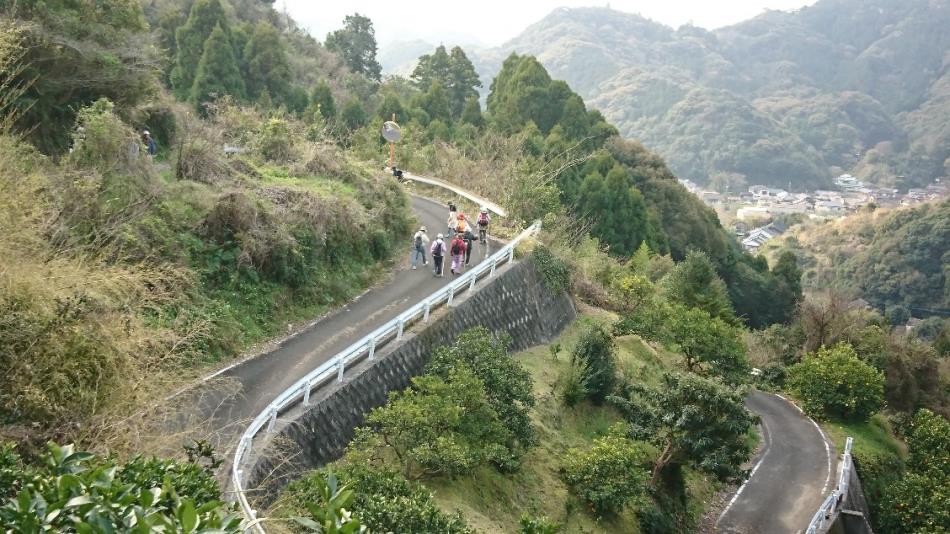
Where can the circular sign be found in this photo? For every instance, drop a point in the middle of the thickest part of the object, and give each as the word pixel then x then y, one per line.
pixel 391 131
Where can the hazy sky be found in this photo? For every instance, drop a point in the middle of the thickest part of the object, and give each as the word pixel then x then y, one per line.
pixel 491 22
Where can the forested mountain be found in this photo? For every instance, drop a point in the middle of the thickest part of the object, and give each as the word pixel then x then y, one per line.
pixel 786 97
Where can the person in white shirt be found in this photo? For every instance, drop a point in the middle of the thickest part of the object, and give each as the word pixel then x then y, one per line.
pixel 419 242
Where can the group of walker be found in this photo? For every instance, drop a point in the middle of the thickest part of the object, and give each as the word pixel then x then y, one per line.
pixel 459 248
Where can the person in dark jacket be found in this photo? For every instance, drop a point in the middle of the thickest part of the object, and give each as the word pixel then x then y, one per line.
pixel 469 239
pixel 149 143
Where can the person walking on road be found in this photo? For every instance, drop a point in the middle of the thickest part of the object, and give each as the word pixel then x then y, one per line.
pixel 457 249
pixel 469 239
pixel 419 243
pixel 452 222
pixel 438 252
pixel 461 225
pixel 484 219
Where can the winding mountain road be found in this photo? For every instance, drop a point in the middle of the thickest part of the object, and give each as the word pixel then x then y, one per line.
pixel 791 477
pixel 253 383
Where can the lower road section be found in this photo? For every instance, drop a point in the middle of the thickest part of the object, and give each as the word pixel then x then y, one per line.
pixel 791 477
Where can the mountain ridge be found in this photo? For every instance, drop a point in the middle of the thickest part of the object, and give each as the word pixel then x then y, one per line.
pixel 792 90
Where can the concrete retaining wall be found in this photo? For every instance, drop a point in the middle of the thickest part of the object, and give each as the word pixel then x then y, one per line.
pixel 516 301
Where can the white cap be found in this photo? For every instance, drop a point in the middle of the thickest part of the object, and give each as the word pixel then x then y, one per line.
pixel 440 236
pixel 422 229
pixel 484 209
pixel 145 133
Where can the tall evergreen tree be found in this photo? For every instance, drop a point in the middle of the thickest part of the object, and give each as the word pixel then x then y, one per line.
pixel 435 102
pixel 523 91
pixel 453 71
pixel 431 68
pixel 218 73
pixel 322 99
pixel 190 38
pixel 356 42
pixel 266 64
pixel 618 210
pixel 472 113
pixel 353 115
pixel 391 105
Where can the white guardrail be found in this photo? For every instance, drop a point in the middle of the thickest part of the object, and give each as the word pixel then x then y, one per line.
pixel 829 509
pixel 365 347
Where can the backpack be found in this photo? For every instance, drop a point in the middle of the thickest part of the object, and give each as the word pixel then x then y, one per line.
pixel 437 251
pixel 461 227
pixel 418 240
pixel 483 219
pixel 456 247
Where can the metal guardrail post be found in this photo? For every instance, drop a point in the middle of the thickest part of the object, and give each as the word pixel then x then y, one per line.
pixel 451 295
pixel 494 263
pixel 372 347
pixel 272 420
pixel 339 372
pixel 471 284
pixel 425 318
pixel 511 255
pixel 399 329
pixel 306 393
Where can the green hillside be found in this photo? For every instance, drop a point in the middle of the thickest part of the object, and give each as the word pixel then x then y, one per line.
pixel 791 97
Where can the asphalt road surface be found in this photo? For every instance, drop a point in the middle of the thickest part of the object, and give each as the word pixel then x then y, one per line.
pixel 262 378
pixel 793 474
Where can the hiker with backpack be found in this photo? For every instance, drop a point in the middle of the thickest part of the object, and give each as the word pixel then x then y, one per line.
pixel 438 251
pixel 452 222
pixel 469 239
pixel 419 242
pixel 457 249
pixel 461 225
pixel 484 219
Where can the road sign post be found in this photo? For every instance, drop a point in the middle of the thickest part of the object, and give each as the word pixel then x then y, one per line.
pixel 392 134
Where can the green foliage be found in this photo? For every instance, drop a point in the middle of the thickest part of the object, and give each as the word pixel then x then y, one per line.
pixel 329 514
pixel 383 500
pixel 76 491
pixel 617 209
pixel 190 41
pixel 507 384
pixel 608 476
pixel 555 272
pixel 454 72
pixel 594 353
pixel 538 525
pixel 917 502
pixel 275 140
pixel 356 43
pixel 265 64
pixel 693 421
pixel 835 382
pixel 472 113
pixel 391 106
pixel 73 54
pixel 571 384
pixel 322 99
pixel 353 115
pixel 218 73
pixel 693 283
pixel 442 426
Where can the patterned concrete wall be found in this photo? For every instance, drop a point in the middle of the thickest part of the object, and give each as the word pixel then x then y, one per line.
pixel 516 301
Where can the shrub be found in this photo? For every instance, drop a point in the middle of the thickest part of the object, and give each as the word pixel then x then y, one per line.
pixel 608 476
pixel 554 271
pixel 507 384
pixel 275 140
pixel 835 382
pixel 538 525
pixel 383 500
pixel 442 426
pixel 594 352
pixel 70 491
pixel 571 384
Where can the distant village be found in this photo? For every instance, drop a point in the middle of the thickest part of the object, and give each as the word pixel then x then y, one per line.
pixel 761 203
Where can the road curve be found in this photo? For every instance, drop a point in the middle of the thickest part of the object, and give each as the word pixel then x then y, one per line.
pixel 262 378
pixel 792 475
